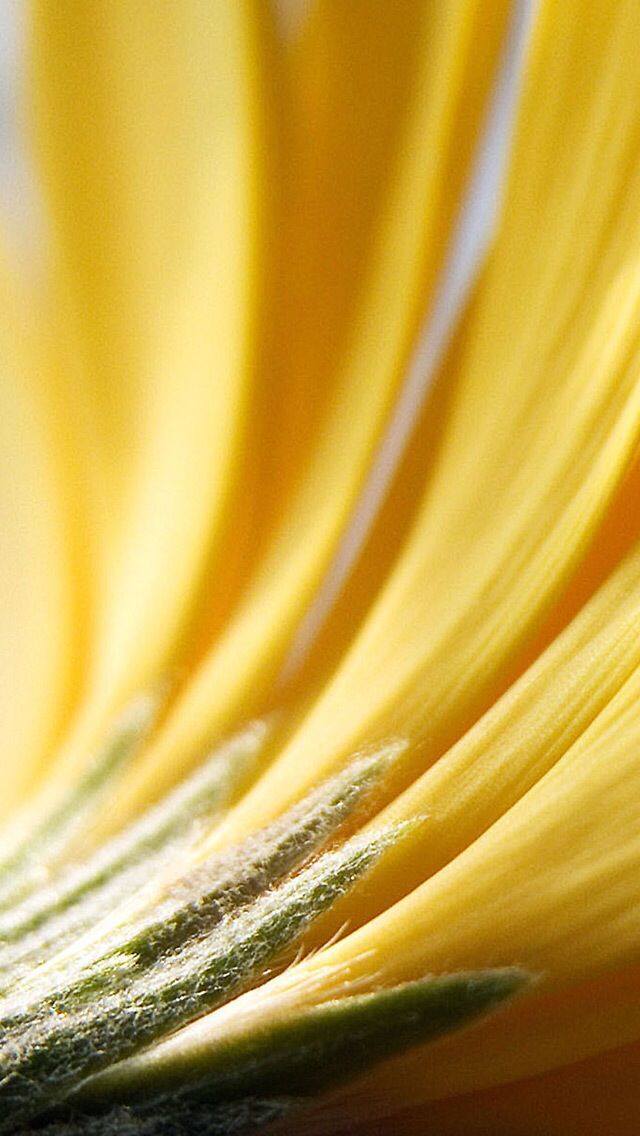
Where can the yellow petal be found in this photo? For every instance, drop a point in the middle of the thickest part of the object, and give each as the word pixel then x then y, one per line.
pixel 238 676
pixel 513 501
pixel 585 1099
pixel 508 750
pixel 149 138
pixel 38 615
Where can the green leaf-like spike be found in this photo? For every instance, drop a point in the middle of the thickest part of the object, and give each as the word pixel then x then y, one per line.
pixel 306 1053
pixel 281 1063
pixel 52 835
pixel 78 897
pixel 231 1118
pixel 89 1026
pixel 196 903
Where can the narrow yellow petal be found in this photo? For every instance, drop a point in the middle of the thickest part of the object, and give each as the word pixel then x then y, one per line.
pixel 333 139
pixel 513 501
pixel 239 674
pixel 154 187
pixel 508 750
pixel 38 642
pixel 585 1099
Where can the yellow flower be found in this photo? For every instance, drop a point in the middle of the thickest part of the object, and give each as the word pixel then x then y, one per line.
pixel 319 424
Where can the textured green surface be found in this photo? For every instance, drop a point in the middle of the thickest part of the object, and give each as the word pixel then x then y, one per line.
pixel 111 1011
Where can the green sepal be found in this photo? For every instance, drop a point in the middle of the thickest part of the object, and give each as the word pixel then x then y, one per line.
pixel 82 893
pixel 48 840
pixel 246 1083
pixel 197 902
pixel 91 1024
pixel 313 1051
pixel 231 1118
